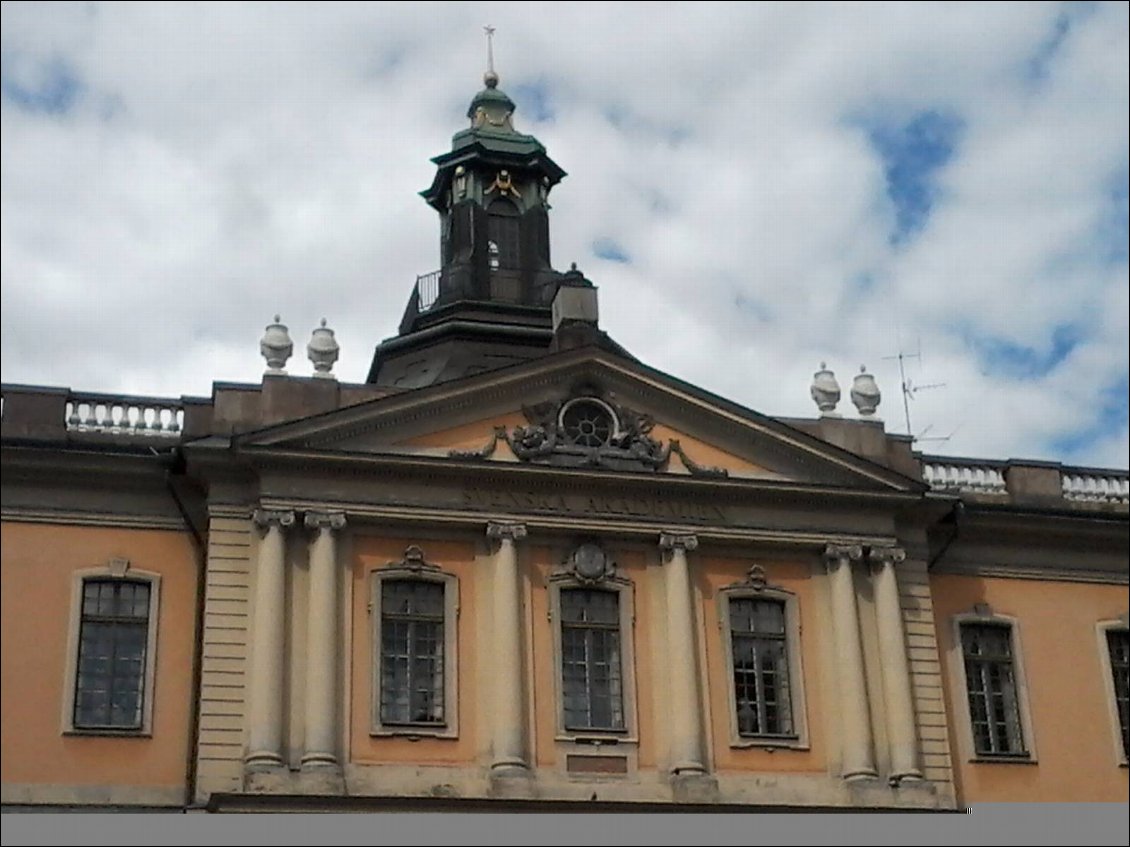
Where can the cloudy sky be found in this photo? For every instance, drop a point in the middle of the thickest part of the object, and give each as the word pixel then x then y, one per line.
pixel 755 188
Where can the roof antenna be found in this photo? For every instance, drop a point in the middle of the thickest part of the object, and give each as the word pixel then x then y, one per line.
pixel 909 389
pixel 490 77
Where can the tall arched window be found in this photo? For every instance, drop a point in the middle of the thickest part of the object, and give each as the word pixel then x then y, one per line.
pixel 502 232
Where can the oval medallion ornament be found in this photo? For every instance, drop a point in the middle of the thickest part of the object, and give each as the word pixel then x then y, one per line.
pixel 590 563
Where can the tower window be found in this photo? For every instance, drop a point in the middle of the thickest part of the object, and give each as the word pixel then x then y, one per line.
pixel 503 235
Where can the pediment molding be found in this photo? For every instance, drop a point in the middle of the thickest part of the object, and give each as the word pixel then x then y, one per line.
pixel 542 387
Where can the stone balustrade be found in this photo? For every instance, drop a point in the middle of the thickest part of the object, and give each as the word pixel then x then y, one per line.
pixel 116 415
pixel 1095 486
pixel 963 475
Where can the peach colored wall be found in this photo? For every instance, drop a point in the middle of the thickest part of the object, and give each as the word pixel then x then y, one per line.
pixel 372 553
pixel 1072 730
pixel 470 436
pixel 35 605
pixel 702 453
pixel 631 564
pixel 718 573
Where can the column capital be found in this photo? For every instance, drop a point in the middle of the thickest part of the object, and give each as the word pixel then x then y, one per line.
pixel 672 541
pixel 325 520
pixel 266 518
pixel 837 553
pixel 880 556
pixel 506 531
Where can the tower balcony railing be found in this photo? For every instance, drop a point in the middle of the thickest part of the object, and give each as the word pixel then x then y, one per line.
pixel 427 290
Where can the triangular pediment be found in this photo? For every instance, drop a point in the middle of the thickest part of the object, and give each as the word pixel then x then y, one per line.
pixel 536 413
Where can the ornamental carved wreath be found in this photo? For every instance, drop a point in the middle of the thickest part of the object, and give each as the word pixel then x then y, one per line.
pixel 588 429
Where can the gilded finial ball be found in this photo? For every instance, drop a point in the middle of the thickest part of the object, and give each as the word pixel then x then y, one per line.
pixel 490 79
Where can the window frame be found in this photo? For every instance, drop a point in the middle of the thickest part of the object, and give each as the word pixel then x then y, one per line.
pixel 116 570
pixel 625 591
pixel 415 568
pixel 967 741
pixel 754 588
pixel 1102 629
pixel 504 241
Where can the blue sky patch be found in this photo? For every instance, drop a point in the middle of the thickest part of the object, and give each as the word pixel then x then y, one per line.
pixel 53 88
pixel 1113 232
pixel 610 250
pixel 748 305
pixel 998 356
pixel 534 101
pixel 1110 418
pixel 627 121
pixel 913 153
pixel 1036 69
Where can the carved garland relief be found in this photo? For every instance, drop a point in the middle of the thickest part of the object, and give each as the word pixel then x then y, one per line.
pixel 589 430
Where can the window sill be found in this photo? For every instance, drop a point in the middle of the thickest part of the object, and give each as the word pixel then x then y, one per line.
pixel 108 732
pixel 1003 760
pixel 612 738
pixel 412 733
pixel 770 744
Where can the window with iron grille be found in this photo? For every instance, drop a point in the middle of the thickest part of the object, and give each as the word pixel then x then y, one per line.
pixel 592 682
pixel 412 653
pixel 112 655
pixel 990 676
pixel 1118 642
pixel 587 423
pixel 504 238
pixel 759 649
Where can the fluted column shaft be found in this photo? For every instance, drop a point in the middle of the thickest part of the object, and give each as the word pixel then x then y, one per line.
pixel 901 732
pixel 686 702
pixel 508 717
pixel 855 731
pixel 321 641
pixel 268 634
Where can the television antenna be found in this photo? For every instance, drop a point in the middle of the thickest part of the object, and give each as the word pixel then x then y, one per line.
pixel 909 389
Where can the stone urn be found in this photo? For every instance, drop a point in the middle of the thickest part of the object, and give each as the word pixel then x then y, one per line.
pixel 275 346
pixel 865 393
pixel 323 350
pixel 825 390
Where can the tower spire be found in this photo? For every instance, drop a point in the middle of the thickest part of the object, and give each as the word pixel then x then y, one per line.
pixel 490 78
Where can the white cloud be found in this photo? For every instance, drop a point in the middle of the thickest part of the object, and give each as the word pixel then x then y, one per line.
pixel 223 162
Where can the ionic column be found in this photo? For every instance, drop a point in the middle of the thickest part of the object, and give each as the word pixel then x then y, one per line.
pixel 901 731
pixel 268 632
pixel 857 744
pixel 321 641
pixel 508 731
pixel 686 709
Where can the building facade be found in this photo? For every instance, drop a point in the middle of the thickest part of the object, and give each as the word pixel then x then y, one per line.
pixel 518 568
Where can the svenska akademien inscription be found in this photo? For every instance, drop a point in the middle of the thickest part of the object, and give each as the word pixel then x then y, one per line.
pixel 592 504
